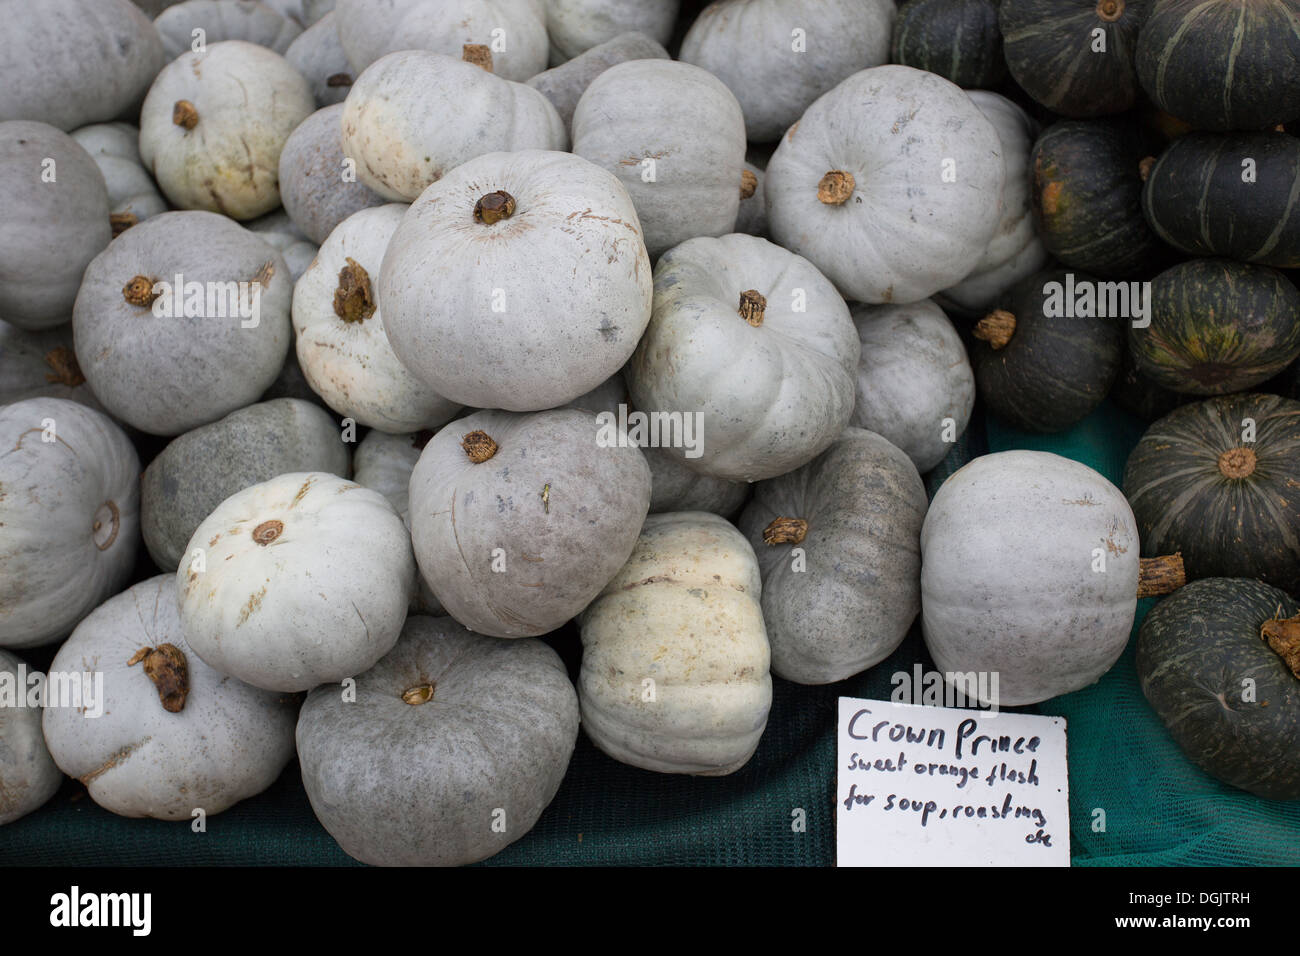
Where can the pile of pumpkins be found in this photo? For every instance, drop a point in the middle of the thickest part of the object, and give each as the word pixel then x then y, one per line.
pixel 402 333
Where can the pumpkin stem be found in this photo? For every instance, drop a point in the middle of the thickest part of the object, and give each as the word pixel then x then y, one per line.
pixel 338 79
pixel 494 207
pixel 836 187
pixel 184 114
pixel 478 446
pixel 419 694
pixel 1283 636
pixel 1145 167
pixel 996 328
pixel 139 292
pixel 1161 575
pixel 166 666
pixel 66 371
pixel 752 305
pixel 122 221
pixel 785 531
pixel 1237 463
pixel 268 531
pixel 353 299
pixel 748 184
pixel 1110 10
pixel 107 523
pixel 480 54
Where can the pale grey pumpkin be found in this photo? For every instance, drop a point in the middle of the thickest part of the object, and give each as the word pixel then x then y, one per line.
pixel 1030 571
pixel 515 29
pixel 318 188
pixel 778 56
pixel 73 62
pixel 305 13
pixel 758 344
pixel 477 734
pixel 202 468
pixel 283 235
pixel 338 321
pixel 564 85
pixel 175 736
pixel 674 135
pixel 302 580
pixel 56 215
pixel 577 26
pixel 41 364
pixel 165 359
pixel 221 20
pixel 518 521
pixel 213 125
pixel 890 183
pixel 838 544
pixel 318 55
pixel 915 385
pixel 413 116
pixel 133 196
pixel 526 311
pixel 675 655
pixel 70 510
pixel 28 774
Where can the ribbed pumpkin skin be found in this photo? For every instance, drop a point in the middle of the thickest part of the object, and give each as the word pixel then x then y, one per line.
pixel 1195 652
pixel 1218 326
pixel 958 39
pixel 1087 195
pixel 1048 46
pixel 1224 527
pixel 1054 371
pixel 1225 65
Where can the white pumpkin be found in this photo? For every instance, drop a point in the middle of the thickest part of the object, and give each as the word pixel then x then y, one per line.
pixel 575 26
pixel 412 116
pixel 758 344
pixel 318 55
pixel 753 47
pixel 915 385
pixel 315 194
pixel 338 325
pixel 73 62
pixel 133 196
pixel 28 775
pixel 56 219
pixel 675 137
pixel 518 281
pixel 70 510
pixel 41 364
pixel 221 20
pixel 298 581
pixel 174 736
pixel 514 29
pixel 890 183
pixel 282 234
pixel 1015 250
pixel 681 618
pixel 213 125
pixel 305 13
pixel 565 84
pixel 1029 570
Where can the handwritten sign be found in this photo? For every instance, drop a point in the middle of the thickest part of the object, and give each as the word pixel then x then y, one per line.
pixel 937 786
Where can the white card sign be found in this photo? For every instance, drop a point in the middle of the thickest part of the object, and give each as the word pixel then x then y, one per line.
pixel 939 786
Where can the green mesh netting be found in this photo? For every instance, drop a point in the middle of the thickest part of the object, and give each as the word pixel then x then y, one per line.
pixel 1160 809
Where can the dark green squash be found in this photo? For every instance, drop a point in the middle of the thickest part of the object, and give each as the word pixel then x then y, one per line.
pixel 1087 196
pixel 1229 64
pixel 1138 395
pixel 1230 505
pixel 1229 194
pixel 1228 698
pixel 1055 55
pixel 1039 371
pixel 957 39
pixel 1218 326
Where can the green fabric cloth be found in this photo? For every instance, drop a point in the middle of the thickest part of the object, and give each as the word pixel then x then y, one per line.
pixel 1159 808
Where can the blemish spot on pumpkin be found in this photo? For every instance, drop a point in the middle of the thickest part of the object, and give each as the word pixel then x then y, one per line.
pixel 263 275
pixel 1051 197
pixel 654 579
pixel 302 492
pixel 116 758
pixel 268 531
pixel 253 604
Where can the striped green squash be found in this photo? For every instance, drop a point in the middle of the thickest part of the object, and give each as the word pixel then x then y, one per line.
pixel 1074 56
pixel 1087 196
pixel 957 39
pixel 1042 372
pixel 1218 326
pixel 1228 698
pixel 1227 64
pixel 1229 194
pixel 1199 484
